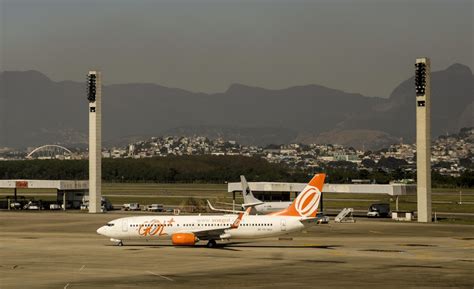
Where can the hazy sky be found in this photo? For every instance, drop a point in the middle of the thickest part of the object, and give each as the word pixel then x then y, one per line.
pixel 355 45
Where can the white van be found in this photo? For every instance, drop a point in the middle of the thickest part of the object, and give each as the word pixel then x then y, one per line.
pixel 155 208
pixel 131 207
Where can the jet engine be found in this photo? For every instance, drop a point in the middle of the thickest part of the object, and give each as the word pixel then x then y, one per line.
pixel 184 239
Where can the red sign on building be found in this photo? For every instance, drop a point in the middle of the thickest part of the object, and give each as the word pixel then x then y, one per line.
pixel 21 184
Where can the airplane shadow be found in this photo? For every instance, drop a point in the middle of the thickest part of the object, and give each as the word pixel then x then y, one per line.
pixel 233 246
pixel 328 247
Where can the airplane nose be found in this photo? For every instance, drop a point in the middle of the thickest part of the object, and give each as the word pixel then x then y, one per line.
pixel 101 230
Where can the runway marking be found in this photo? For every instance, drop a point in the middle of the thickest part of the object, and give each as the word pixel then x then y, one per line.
pixel 164 277
pixel 67 285
pixel 375 232
pixel 82 268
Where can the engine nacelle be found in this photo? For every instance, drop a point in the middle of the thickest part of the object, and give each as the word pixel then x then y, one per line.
pixel 184 239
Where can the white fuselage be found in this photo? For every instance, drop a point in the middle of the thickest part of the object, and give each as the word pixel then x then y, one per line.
pixel 270 207
pixel 163 227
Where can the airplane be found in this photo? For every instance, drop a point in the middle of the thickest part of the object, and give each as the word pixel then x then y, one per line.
pixel 259 206
pixel 188 230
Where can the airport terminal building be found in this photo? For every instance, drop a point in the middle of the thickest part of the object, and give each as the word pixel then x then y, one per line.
pixel 277 191
pixel 68 193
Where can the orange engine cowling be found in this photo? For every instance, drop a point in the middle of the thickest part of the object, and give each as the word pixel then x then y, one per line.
pixel 184 239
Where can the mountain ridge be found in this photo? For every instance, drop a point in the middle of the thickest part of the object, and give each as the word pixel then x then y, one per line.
pixel 32 103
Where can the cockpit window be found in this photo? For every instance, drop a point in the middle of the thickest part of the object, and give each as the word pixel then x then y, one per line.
pixel 110 224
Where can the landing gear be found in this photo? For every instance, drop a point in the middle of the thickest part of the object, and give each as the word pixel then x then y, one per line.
pixel 117 242
pixel 211 244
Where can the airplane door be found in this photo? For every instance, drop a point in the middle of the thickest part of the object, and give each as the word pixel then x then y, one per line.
pixel 283 224
pixel 124 226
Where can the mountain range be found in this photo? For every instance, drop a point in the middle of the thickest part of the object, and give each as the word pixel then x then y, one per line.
pixel 35 110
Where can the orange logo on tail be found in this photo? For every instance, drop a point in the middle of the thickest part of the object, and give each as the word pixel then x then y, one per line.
pixel 307 202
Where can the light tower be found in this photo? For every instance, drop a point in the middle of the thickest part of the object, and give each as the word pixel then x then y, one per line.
pixel 423 138
pixel 94 95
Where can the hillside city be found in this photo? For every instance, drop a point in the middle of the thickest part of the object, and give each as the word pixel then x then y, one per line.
pixel 451 154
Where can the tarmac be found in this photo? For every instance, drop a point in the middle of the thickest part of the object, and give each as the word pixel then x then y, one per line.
pixel 62 250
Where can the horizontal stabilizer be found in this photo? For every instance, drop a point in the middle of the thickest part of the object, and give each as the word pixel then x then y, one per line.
pixel 251 205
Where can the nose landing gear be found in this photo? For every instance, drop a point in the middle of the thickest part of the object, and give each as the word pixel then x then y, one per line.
pixel 117 241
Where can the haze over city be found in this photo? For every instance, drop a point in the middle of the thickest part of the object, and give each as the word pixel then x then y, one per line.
pixel 359 46
pixel 236 144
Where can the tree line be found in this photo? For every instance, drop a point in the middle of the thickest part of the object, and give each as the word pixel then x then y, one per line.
pixel 209 169
pixel 170 169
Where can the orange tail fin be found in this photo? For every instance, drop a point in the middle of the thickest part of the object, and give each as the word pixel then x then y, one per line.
pixel 307 203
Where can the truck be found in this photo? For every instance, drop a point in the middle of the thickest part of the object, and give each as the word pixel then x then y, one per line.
pixel 54 206
pixel 379 210
pixel 131 207
pixel 105 204
pixel 155 208
pixel 33 205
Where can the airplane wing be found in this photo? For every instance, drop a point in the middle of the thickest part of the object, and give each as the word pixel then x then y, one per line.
pixel 212 234
pixel 222 210
pixel 229 204
pixel 309 221
pixel 219 233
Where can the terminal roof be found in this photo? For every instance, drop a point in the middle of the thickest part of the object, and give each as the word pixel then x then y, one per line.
pixel 389 189
pixel 45 184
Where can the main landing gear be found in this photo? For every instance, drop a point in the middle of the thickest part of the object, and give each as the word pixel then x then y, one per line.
pixel 211 244
pixel 120 244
